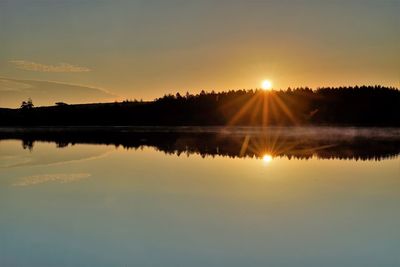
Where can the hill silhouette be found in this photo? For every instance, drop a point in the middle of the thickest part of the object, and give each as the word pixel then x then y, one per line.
pixel 358 106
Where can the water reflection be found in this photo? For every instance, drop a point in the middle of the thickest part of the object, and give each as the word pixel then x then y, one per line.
pixel 299 143
pixel 93 205
pixel 12 156
pixel 267 158
pixel 45 178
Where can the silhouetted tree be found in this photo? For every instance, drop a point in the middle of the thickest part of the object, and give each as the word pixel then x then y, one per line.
pixel 27 144
pixel 361 105
pixel 295 143
pixel 27 104
pixel 60 104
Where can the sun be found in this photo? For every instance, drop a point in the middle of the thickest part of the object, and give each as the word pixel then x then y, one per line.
pixel 266 85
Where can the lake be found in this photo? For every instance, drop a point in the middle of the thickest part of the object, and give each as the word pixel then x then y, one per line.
pixel 200 196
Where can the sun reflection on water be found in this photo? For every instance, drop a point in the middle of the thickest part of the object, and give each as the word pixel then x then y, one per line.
pixel 267 158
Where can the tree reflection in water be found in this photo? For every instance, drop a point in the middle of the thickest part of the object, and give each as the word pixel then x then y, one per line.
pixel 295 142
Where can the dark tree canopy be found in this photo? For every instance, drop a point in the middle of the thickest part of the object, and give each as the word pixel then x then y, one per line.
pixel 301 143
pixel 27 104
pixel 364 105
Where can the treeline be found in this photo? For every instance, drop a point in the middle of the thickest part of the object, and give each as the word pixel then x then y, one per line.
pixel 364 105
pixel 296 143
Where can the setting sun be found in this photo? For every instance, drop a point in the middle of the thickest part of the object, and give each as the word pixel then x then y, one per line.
pixel 266 85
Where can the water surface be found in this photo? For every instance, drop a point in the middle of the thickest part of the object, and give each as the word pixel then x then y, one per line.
pixel 243 197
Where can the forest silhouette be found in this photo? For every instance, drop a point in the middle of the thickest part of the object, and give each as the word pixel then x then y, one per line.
pixel 241 142
pixel 357 106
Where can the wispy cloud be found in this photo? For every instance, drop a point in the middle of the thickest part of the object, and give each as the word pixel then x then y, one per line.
pixel 13 91
pixel 45 178
pixel 60 67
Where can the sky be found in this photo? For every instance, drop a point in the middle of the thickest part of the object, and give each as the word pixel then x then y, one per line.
pixel 80 51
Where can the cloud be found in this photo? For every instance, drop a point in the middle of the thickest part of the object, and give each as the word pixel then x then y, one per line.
pixel 62 178
pixel 13 91
pixel 60 68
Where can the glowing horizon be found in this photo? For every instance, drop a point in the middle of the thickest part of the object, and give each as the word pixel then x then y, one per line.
pixel 162 47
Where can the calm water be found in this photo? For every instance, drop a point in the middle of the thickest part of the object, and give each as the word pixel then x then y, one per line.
pixel 277 198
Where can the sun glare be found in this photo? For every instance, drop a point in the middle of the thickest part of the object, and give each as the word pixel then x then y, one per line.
pixel 266 85
pixel 267 158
